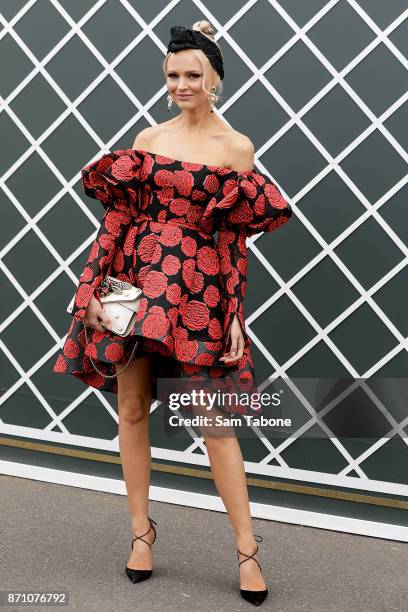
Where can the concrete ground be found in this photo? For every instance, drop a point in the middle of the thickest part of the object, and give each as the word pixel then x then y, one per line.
pixel 77 540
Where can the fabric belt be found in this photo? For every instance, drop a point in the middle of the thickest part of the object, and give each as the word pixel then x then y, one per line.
pixel 192 226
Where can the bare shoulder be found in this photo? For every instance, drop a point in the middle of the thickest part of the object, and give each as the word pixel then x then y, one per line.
pixel 145 137
pixel 241 152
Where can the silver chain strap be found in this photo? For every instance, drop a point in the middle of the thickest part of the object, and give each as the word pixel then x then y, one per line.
pixel 111 375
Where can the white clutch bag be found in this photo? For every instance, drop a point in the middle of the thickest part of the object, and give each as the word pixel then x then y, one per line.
pixel 121 303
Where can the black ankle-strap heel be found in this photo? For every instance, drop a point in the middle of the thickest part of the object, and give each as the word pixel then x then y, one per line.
pixel 254 597
pixel 137 575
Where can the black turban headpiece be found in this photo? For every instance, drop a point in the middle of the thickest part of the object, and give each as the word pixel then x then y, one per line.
pixel 187 38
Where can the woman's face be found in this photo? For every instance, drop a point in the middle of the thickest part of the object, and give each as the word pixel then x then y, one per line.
pixel 184 77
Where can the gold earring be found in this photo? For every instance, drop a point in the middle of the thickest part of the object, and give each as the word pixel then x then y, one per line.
pixel 169 102
pixel 212 98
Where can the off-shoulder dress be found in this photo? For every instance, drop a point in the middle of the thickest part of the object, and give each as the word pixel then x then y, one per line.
pixel 157 233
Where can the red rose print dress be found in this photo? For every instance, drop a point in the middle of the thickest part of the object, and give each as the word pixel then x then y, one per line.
pixel 157 233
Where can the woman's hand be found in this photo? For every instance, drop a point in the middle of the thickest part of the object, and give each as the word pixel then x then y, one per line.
pixel 96 317
pixel 237 343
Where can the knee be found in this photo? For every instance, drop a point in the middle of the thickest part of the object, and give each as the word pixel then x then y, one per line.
pixel 134 408
pixel 219 439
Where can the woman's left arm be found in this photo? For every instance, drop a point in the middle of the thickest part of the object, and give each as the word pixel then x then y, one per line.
pixel 231 247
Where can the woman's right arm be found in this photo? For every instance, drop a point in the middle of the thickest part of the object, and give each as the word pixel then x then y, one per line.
pixel 111 234
pixel 112 179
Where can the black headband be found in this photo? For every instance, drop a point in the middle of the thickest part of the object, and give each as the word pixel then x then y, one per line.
pixel 186 38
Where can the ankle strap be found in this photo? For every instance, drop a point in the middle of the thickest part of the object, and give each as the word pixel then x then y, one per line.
pixel 143 534
pixel 248 557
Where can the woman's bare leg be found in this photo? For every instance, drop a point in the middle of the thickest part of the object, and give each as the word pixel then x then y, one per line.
pixel 227 467
pixel 134 401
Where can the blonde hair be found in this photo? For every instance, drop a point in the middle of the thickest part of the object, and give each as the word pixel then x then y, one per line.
pixel 207 29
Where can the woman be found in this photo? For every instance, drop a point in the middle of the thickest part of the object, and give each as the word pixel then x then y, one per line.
pixel 157 232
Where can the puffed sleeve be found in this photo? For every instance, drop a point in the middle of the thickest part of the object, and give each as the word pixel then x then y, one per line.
pixel 261 206
pixel 112 179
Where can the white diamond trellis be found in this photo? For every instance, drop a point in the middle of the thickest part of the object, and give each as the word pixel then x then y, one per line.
pixel 281 469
